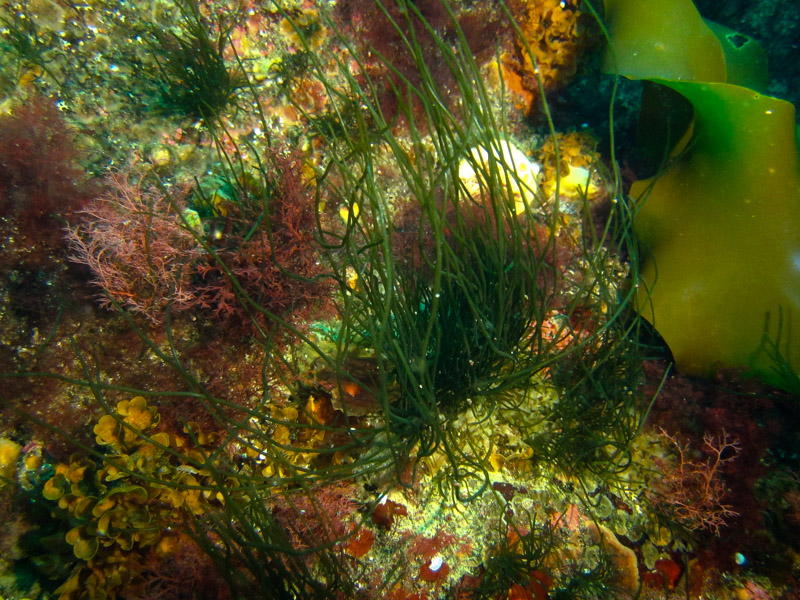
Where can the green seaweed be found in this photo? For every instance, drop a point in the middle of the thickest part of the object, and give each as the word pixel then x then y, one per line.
pixel 719 224
pixel 22 39
pixel 523 553
pixel 663 38
pixel 452 323
pixel 462 324
pixel 722 227
pixel 194 78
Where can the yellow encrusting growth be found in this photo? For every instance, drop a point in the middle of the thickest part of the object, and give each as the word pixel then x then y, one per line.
pixel 553 36
pixel 577 176
pixel 122 506
pixel 9 455
pixel 507 165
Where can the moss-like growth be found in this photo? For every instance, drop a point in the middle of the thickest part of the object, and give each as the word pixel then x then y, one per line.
pixel 30 46
pixel 195 78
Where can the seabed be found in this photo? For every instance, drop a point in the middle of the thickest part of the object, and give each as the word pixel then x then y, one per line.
pixel 345 300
